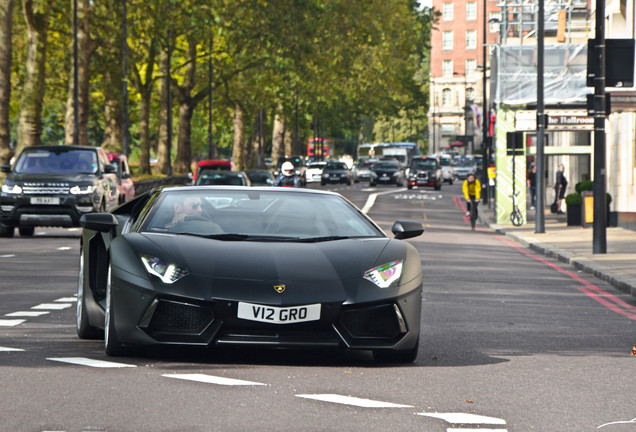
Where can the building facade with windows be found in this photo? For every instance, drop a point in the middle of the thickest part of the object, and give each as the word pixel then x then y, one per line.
pixel 456 81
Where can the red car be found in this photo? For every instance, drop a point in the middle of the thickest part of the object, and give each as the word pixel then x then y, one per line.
pixel 213 164
pixel 124 177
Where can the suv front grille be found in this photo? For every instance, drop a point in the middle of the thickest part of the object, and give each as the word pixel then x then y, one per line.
pixel 45 189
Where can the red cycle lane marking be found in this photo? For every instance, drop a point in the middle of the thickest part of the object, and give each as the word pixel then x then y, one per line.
pixel 588 287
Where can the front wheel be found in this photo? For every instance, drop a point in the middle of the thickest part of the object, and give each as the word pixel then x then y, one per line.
pixel 6 231
pixel 112 345
pixel 26 231
pixel 84 329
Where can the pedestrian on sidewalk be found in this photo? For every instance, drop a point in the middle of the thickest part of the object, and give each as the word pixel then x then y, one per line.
pixel 559 188
pixel 532 184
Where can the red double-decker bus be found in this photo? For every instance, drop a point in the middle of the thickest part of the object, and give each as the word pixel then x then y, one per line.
pixel 318 149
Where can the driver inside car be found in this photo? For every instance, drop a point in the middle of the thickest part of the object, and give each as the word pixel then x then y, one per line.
pixel 189 207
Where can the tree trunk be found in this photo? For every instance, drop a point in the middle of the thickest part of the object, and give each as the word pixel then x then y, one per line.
pixel 83 78
pixel 6 21
pixel 162 146
pixel 36 14
pixel 278 138
pixel 113 112
pixel 239 150
pixel 183 155
pixel 144 88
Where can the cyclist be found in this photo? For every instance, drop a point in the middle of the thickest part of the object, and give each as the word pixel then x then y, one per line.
pixel 472 192
pixel 288 176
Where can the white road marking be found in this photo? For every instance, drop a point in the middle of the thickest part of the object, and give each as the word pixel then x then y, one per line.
pixel 7 256
pixel 83 361
pixel 475 430
pixel 10 323
pixel 53 306
pixel 371 199
pixel 64 248
pixel 209 379
pixel 66 299
pixel 10 349
pixel 463 418
pixel 349 400
pixel 27 313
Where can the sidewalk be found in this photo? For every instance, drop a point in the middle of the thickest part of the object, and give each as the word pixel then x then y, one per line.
pixel 574 245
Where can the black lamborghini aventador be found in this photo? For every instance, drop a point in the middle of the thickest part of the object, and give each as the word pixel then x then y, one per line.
pixel 214 266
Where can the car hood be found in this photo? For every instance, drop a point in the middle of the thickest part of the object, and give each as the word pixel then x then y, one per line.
pixel 51 178
pixel 248 271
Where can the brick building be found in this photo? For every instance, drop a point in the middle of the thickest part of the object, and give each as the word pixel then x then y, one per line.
pixel 457 59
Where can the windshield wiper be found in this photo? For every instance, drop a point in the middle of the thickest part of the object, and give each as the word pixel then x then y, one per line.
pixel 321 239
pixel 227 237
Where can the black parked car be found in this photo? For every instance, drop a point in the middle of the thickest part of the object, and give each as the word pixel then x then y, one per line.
pixel 262 267
pixel 425 171
pixel 54 186
pixel 336 172
pixel 387 172
pixel 260 177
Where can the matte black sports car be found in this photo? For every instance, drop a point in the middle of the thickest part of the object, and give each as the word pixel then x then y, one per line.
pixel 275 267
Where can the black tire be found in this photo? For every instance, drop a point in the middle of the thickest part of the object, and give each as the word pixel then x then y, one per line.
pixel 26 231
pixel 84 329
pixel 372 184
pixel 402 356
pixel 450 182
pixel 409 187
pixel 112 346
pixel 6 231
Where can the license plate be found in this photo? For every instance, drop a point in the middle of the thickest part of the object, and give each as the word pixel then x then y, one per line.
pixel 45 200
pixel 385 176
pixel 278 315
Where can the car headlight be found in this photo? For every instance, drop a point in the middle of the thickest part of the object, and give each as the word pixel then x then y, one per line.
pixel 11 189
pixel 82 190
pixel 385 275
pixel 168 273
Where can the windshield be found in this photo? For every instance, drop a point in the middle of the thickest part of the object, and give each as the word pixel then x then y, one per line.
pixel 386 166
pixel 56 161
pixel 220 178
pixel 465 163
pixel 336 166
pixel 425 164
pixel 445 162
pixel 257 215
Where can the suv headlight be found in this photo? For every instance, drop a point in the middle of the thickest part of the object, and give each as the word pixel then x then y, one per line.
pixel 168 273
pixel 11 189
pixel 82 190
pixel 385 275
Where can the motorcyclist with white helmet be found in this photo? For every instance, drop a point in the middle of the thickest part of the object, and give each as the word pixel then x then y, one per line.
pixel 288 176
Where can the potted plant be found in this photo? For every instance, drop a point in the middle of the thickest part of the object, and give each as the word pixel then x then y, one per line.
pixel 573 203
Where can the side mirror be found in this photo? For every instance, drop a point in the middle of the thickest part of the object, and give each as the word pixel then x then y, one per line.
pixel 406 229
pixel 6 168
pixel 110 169
pixel 102 222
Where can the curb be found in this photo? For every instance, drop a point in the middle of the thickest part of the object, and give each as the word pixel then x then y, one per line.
pixel 620 281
